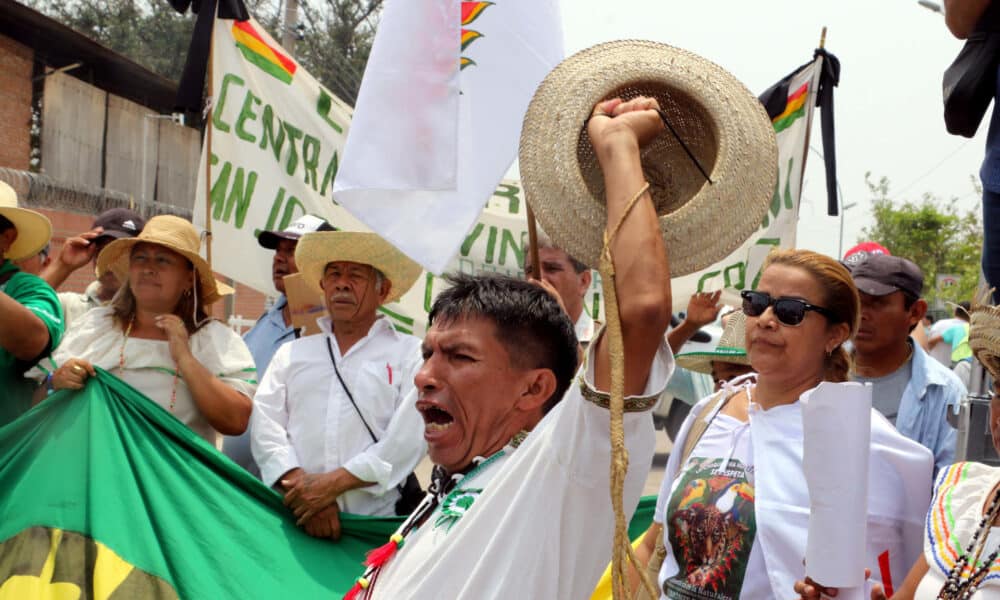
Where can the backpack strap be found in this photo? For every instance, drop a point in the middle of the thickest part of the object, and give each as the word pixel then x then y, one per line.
pixel 701 423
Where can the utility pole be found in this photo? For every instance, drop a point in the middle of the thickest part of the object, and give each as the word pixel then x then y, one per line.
pixel 289 31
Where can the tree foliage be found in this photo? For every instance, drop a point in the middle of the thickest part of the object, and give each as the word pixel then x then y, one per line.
pixel 933 233
pixel 335 36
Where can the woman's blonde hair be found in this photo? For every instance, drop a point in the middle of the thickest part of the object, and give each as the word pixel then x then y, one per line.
pixel 840 297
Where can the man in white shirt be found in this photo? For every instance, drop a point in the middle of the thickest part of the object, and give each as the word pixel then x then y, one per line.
pixel 518 506
pixel 330 425
pixel 571 278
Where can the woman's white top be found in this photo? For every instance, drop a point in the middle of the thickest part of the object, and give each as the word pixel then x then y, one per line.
pixel 149 367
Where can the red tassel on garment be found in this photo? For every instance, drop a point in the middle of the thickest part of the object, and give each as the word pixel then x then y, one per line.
pixel 381 555
pixel 355 592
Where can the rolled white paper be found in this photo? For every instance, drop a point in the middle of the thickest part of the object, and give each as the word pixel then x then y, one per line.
pixel 836 424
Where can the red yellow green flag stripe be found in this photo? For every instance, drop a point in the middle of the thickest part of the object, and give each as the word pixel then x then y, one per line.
pixel 265 56
pixel 795 108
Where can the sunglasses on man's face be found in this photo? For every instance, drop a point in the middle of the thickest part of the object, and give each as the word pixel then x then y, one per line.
pixel 788 311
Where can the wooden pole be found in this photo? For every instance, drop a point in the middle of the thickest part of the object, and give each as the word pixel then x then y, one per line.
pixel 208 145
pixel 536 265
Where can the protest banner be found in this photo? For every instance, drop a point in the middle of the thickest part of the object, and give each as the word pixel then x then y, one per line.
pixel 278 139
pixel 108 495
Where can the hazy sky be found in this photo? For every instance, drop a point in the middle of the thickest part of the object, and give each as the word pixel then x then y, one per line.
pixel 888 104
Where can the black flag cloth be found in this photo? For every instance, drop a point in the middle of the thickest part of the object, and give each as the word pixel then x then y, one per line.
pixel 775 98
pixel 189 93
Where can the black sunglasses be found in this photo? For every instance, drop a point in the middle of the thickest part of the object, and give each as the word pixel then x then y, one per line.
pixel 789 311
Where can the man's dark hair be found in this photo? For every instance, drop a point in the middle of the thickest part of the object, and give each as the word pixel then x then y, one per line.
pixel 529 322
pixel 962 310
pixel 5 224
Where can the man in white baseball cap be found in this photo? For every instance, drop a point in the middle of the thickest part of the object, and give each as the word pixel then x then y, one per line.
pixel 274 327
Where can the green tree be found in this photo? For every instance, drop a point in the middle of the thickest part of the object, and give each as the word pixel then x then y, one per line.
pixel 934 233
pixel 335 35
pixel 150 33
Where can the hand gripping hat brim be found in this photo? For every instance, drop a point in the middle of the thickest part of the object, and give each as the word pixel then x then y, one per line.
pixel 316 250
pixel 718 118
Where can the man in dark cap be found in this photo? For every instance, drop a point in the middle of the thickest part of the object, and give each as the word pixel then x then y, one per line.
pixel 911 389
pixel 77 251
pixel 274 327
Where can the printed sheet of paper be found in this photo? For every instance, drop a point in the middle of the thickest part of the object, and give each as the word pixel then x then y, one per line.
pixel 305 304
pixel 836 423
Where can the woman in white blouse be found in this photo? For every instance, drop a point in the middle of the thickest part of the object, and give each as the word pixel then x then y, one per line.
pixel 156 335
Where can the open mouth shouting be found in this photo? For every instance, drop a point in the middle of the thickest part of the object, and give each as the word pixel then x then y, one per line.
pixel 436 418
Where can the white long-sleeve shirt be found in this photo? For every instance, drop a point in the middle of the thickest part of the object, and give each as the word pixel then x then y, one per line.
pixel 303 418
pixel 541 524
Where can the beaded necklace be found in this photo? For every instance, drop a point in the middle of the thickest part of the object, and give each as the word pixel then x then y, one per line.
pixel 444 492
pixel 121 364
pixel 957 587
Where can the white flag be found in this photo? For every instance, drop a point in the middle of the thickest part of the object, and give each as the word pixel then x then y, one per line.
pixel 439 115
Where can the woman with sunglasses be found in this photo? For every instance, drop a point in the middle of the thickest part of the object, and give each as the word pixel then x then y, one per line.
pixel 734 506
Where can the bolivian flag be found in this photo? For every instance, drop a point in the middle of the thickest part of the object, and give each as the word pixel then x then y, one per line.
pixel 264 55
pixel 106 495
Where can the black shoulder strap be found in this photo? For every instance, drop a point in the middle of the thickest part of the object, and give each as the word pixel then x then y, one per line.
pixel 350 396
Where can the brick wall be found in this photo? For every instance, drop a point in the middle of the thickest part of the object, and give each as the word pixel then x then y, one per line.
pixel 248 303
pixel 15 104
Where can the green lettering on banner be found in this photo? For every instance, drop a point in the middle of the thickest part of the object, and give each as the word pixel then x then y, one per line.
pixel 491 244
pixel 507 242
pixel 329 174
pixel 471 239
pixel 247 114
pixel 293 155
pixel 741 272
pixel 764 242
pixel 290 211
pixel 279 199
pixel 788 186
pixel 224 200
pixel 704 278
pixel 595 308
pixel 310 160
pixel 323 105
pixel 428 292
pixel 217 121
pixel 508 191
pixel 275 136
pixel 776 198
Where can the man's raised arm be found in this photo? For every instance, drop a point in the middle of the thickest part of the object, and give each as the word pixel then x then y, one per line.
pixel 617 131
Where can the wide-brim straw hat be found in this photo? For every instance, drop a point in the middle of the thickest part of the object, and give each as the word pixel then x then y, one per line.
pixel 984 332
pixel 171 232
pixel 720 121
pixel 316 250
pixel 34 230
pixel 730 349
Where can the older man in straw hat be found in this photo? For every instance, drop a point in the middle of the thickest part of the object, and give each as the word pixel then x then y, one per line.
pixel 330 426
pixel 274 327
pixel 31 322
